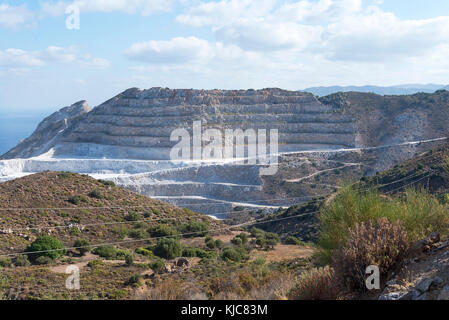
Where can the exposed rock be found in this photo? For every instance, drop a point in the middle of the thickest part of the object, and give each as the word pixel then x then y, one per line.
pixel 393 296
pixel 424 284
pixel 182 262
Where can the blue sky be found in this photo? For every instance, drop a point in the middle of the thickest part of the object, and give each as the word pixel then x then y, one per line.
pixel 214 44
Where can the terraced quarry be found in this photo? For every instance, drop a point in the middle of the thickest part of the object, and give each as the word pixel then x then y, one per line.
pixel 322 142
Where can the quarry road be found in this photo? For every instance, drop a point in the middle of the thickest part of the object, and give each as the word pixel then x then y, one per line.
pixel 320 172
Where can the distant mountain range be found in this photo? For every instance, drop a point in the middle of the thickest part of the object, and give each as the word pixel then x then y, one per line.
pixel 404 89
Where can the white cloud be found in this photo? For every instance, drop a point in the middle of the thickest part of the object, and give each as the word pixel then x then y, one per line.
pixel 144 7
pixel 336 29
pixel 17 59
pixel 14 16
pixel 174 51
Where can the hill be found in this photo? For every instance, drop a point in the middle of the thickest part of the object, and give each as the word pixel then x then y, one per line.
pixel 128 246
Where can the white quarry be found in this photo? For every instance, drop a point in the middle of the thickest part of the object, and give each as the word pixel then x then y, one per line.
pixel 127 140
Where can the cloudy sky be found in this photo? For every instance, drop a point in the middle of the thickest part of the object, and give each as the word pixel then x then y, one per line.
pixel 214 44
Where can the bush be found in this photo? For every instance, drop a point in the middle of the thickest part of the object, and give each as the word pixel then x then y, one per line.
pixel 168 248
pixel 237 241
pixel 96 193
pixel 44 260
pixel 107 183
pixel 292 240
pixel 218 243
pixel 315 284
pixel 5 262
pixel 157 265
pixel 419 213
pixel 145 252
pixel 138 234
pixel 76 200
pixel 133 216
pixel 106 252
pixel 380 243
pixel 194 229
pixel 256 233
pixel 45 246
pixel 210 244
pixel 129 260
pixel 240 239
pixel 162 230
pixel 233 254
pixel 271 239
pixel 22 261
pixel 82 245
pixel 136 280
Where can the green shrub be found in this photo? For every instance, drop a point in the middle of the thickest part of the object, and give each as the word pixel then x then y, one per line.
pixel 129 260
pixel 45 246
pixel 75 231
pixel 82 245
pixel 233 254
pixel 315 284
pixel 145 252
pixel 96 193
pixel 379 243
pixel 5 262
pixel 44 260
pixel 194 229
pixel 418 211
pixel 136 280
pixel 22 261
pixel 210 244
pixel 106 252
pixel 292 241
pixel 237 241
pixel 256 233
pixel 138 234
pixel 218 243
pixel 157 265
pixel 272 239
pixel 244 237
pixel 133 216
pixel 162 230
pixel 95 263
pixel 107 183
pixel 168 248
pixel 76 200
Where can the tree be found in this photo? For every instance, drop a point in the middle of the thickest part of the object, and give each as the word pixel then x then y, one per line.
pixel 168 248
pixel 45 246
pixel 83 246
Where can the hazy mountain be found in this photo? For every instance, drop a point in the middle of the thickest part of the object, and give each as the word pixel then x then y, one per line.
pixel 404 89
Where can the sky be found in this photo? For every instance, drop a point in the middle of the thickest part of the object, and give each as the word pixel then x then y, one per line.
pixel 46 62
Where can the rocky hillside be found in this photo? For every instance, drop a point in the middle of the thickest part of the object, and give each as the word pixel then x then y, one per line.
pixel 67 206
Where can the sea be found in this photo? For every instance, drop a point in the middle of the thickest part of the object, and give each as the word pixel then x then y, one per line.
pixel 16 127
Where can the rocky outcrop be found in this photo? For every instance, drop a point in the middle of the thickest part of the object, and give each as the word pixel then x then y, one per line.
pixel 48 131
pixel 425 275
